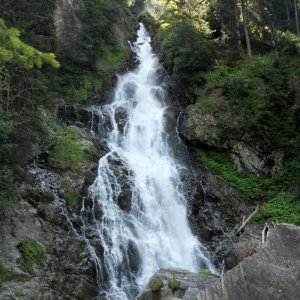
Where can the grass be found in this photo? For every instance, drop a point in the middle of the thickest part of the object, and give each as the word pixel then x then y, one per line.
pixel 283 208
pixel 33 252
pixel 206 272
pixel 250 185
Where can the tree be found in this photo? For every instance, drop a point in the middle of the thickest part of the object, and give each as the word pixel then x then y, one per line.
pixel 297 18
pixel 245 23
pixel 12 49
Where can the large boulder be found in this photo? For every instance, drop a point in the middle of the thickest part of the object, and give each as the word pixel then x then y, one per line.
pixel 273 272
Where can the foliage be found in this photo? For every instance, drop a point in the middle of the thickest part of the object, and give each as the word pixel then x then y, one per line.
pixel 174 284
pixel 69 193
pixel 259 101
pixel 7 187
pixel 12 49
pixel 67 151
pixel 33 252
pixel 283 208
pixel 156 284
pixel 181 55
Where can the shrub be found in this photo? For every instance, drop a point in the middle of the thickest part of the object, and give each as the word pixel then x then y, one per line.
pixel 69 194
pixel 33 252
pixel 67 151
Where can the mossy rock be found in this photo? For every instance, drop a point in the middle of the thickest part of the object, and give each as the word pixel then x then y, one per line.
pixel 33 252
pixel 174 284
pixel 206 272
pixel 156 284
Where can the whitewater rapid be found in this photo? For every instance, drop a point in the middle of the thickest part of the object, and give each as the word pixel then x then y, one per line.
pixel 154 233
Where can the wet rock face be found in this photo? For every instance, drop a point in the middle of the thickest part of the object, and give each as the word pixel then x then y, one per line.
pixel 123 176
pixel 121 117
pixel 175 284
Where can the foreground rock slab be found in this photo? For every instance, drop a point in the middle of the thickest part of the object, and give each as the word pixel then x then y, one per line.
pixel 273 272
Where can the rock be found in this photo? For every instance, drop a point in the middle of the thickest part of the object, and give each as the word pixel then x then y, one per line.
pixel 199 127
pixel 271 273
pixel 189 284
pixel 247 157
pixel 121 117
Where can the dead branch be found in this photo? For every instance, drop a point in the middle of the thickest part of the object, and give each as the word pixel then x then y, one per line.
pixel 248 219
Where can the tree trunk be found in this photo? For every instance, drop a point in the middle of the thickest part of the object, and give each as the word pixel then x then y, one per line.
pixel 245 23
pixel 297 18
pixel 288 15
pixel 236 30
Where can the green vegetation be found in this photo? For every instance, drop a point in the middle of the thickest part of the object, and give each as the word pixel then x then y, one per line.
pixel 20 294
pixel 156 284
pixel 206 273
pixel 67 151
pixel 181 56
pixel 283 208
pixel 33 252
pixel 69 193
pixel 174 284
pixel 249 184
pixel 2 272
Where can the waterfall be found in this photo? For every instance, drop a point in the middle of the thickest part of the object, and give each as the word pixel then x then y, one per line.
pixel 138 202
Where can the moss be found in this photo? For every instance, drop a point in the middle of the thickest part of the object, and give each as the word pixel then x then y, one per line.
pixel 2 272
pixel 33 252
pixel 174 284
pixel 283 208
pixel 156 284
pixel 69 193
pixel 206 272
pixel 19 294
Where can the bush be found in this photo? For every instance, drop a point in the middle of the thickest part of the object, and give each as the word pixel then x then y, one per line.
pixel 33 252
pixel 67 151
pixel 69 194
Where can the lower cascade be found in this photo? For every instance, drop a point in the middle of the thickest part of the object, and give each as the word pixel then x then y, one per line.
pixel 144 228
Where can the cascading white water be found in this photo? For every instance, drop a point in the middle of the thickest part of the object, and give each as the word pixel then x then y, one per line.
pixel 155 232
